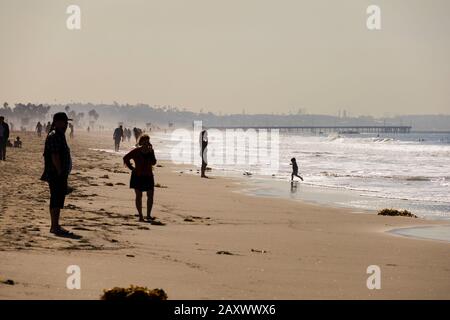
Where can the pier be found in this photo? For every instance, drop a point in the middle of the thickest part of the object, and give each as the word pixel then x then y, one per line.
pixel 327 129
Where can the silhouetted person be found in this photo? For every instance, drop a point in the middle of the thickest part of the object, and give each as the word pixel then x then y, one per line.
pixel 137 133
pixel 18 143
pixel 48 127
pixel 4 136
pixel 294 169
pixel 117 137
pixel 58 165
pixel 204 151
pixel 128 134
pixel 71 130
pixel 142 174
pixel 89 129
pixel 39 128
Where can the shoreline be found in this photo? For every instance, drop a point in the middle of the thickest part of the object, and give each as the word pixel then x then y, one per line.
pixel 366 190
pixel 248 187
pixel 277 249
pixel 431 233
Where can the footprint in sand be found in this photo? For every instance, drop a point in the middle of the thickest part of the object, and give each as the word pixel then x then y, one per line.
pixel 225 253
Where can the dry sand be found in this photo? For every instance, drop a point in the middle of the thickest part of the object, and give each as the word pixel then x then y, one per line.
pixel 279 249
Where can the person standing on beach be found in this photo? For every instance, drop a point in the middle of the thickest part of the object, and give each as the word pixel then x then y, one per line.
pixel 204 151
pixel 58 165
pixel 39 129
pixel 4 136
pixel 71 130
pixel 128 134
pixel 48 127
pixel 142 174
pixel 137 133
pixel 294 169
pixel 117 136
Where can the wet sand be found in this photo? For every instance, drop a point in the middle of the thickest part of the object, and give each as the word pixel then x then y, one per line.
pixel 278 249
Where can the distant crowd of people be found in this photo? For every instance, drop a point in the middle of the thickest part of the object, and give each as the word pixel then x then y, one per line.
pixel 120 135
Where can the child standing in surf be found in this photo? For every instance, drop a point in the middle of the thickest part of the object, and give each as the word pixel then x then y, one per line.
pixel 294 169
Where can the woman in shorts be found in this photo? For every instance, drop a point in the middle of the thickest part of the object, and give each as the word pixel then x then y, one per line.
pixel 143 157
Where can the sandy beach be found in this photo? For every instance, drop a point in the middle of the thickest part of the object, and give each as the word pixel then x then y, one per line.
pixel 271 248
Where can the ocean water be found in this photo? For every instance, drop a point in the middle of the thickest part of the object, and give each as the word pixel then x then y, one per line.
pixel 404 171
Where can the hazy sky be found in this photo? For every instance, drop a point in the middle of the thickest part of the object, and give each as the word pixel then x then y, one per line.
pixel 224 56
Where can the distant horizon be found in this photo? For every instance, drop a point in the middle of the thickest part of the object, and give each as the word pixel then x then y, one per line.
pixel 183 109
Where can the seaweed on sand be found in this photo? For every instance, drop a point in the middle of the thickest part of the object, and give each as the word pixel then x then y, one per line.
pixel 135 293
pixel 394 212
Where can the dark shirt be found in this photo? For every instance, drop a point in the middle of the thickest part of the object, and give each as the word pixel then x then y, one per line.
pixel 294 167
pixel 5 135
pixel 143 162
pixel 56 144
pixel 118 134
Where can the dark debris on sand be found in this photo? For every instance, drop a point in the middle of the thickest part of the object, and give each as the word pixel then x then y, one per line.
pixel 225 253
pixel 394 213
pixel 8 282
pixel 134 293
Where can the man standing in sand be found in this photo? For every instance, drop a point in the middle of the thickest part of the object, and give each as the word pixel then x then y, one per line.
pixel 118 136
pixel 39 129
pixel 204 151
pixel 58 165
pixel 48 127
pixel 4 135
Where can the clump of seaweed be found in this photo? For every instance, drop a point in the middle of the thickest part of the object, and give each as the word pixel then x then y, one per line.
pixel 8 282
pixel 158 185
pixel 133 293
pixel 394 212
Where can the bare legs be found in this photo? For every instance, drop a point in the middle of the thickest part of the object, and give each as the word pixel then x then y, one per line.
pixel 139 204
pixel 295 174
pixel 54 215
pixel 203 175
pixel 149 204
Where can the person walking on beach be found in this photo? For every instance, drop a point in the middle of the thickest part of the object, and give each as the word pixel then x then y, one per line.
pixel 117 136
pixel 39 128
pixel 204 151
pixel 294 169
pixel 4 136
pixel 58 165
pixel 142 174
